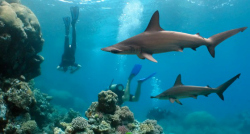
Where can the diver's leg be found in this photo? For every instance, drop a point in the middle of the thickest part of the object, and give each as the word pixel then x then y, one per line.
pixel 138 89
pixel 137 92
pixel 73 44
pixel 74 14
pixel 126 95
pixel 66 21
pixel 136 69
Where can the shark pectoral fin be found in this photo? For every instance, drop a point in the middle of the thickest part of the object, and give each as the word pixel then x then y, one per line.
pixel 148 56
pixel 172 100
pixel 180 49
pixel 140 56
pixel 178 101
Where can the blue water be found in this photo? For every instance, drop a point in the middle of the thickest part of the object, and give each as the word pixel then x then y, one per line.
pixel 105 22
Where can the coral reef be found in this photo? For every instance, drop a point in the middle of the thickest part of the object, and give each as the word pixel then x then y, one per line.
pixel 42 112
pixel 200 119
pixel 244 118
pixel 79 124
pixel 3 108
pixel 19 94
pixel 20 41
pixel 150 127
pixel 70 115
pixel 105 117
pixel 107 102
pixel 29 126
pixel 122 129
pixel 26 111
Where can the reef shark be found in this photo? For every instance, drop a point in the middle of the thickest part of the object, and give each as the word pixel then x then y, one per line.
pixel 179 90
pixel 156 40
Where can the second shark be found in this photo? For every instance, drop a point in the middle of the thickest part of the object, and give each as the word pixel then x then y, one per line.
pixel 179 90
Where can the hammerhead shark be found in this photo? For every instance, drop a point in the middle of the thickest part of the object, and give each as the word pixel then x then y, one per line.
pixel 179 90
pixel 156 40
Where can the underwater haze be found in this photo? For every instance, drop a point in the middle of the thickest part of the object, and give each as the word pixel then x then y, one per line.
pixel 106 22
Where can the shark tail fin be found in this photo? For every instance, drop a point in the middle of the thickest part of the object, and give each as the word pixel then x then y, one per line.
pixel 218 38
pixel 225 85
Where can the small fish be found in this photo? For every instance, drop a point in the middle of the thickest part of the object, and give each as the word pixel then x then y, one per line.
pixel 156 40
pixel 179 90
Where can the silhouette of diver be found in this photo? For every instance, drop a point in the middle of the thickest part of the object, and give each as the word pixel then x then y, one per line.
pixel 124 94
pixel 157 113
pixel 68 57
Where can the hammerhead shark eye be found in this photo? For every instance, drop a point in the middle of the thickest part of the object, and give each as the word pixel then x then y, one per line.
pixel 115 51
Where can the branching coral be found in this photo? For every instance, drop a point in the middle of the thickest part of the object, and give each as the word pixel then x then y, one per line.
pixel 79 123
pixel 150 127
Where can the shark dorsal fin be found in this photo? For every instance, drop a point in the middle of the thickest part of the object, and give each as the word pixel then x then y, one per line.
pixel 178 81
pixel 154 23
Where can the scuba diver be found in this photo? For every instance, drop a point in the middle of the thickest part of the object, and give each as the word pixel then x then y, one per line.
pixel 124 94
pixel 68 57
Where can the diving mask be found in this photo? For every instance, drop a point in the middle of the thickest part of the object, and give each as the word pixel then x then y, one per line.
pixel 114 87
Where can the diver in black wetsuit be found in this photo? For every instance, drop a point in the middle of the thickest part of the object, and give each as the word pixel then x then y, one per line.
pixel 68 57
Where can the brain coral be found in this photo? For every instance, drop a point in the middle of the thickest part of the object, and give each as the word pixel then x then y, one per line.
pixel 20 41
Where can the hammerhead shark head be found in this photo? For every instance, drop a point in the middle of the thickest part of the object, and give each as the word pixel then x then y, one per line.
pixel 156 40
pixel 179 90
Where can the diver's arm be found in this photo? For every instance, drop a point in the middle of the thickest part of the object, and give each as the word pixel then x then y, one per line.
pixel 76 67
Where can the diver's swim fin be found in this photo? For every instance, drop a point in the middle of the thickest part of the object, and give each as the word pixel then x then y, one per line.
pixel 144 79
pixel 74 14
pixel 66 21
pixel 135 70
